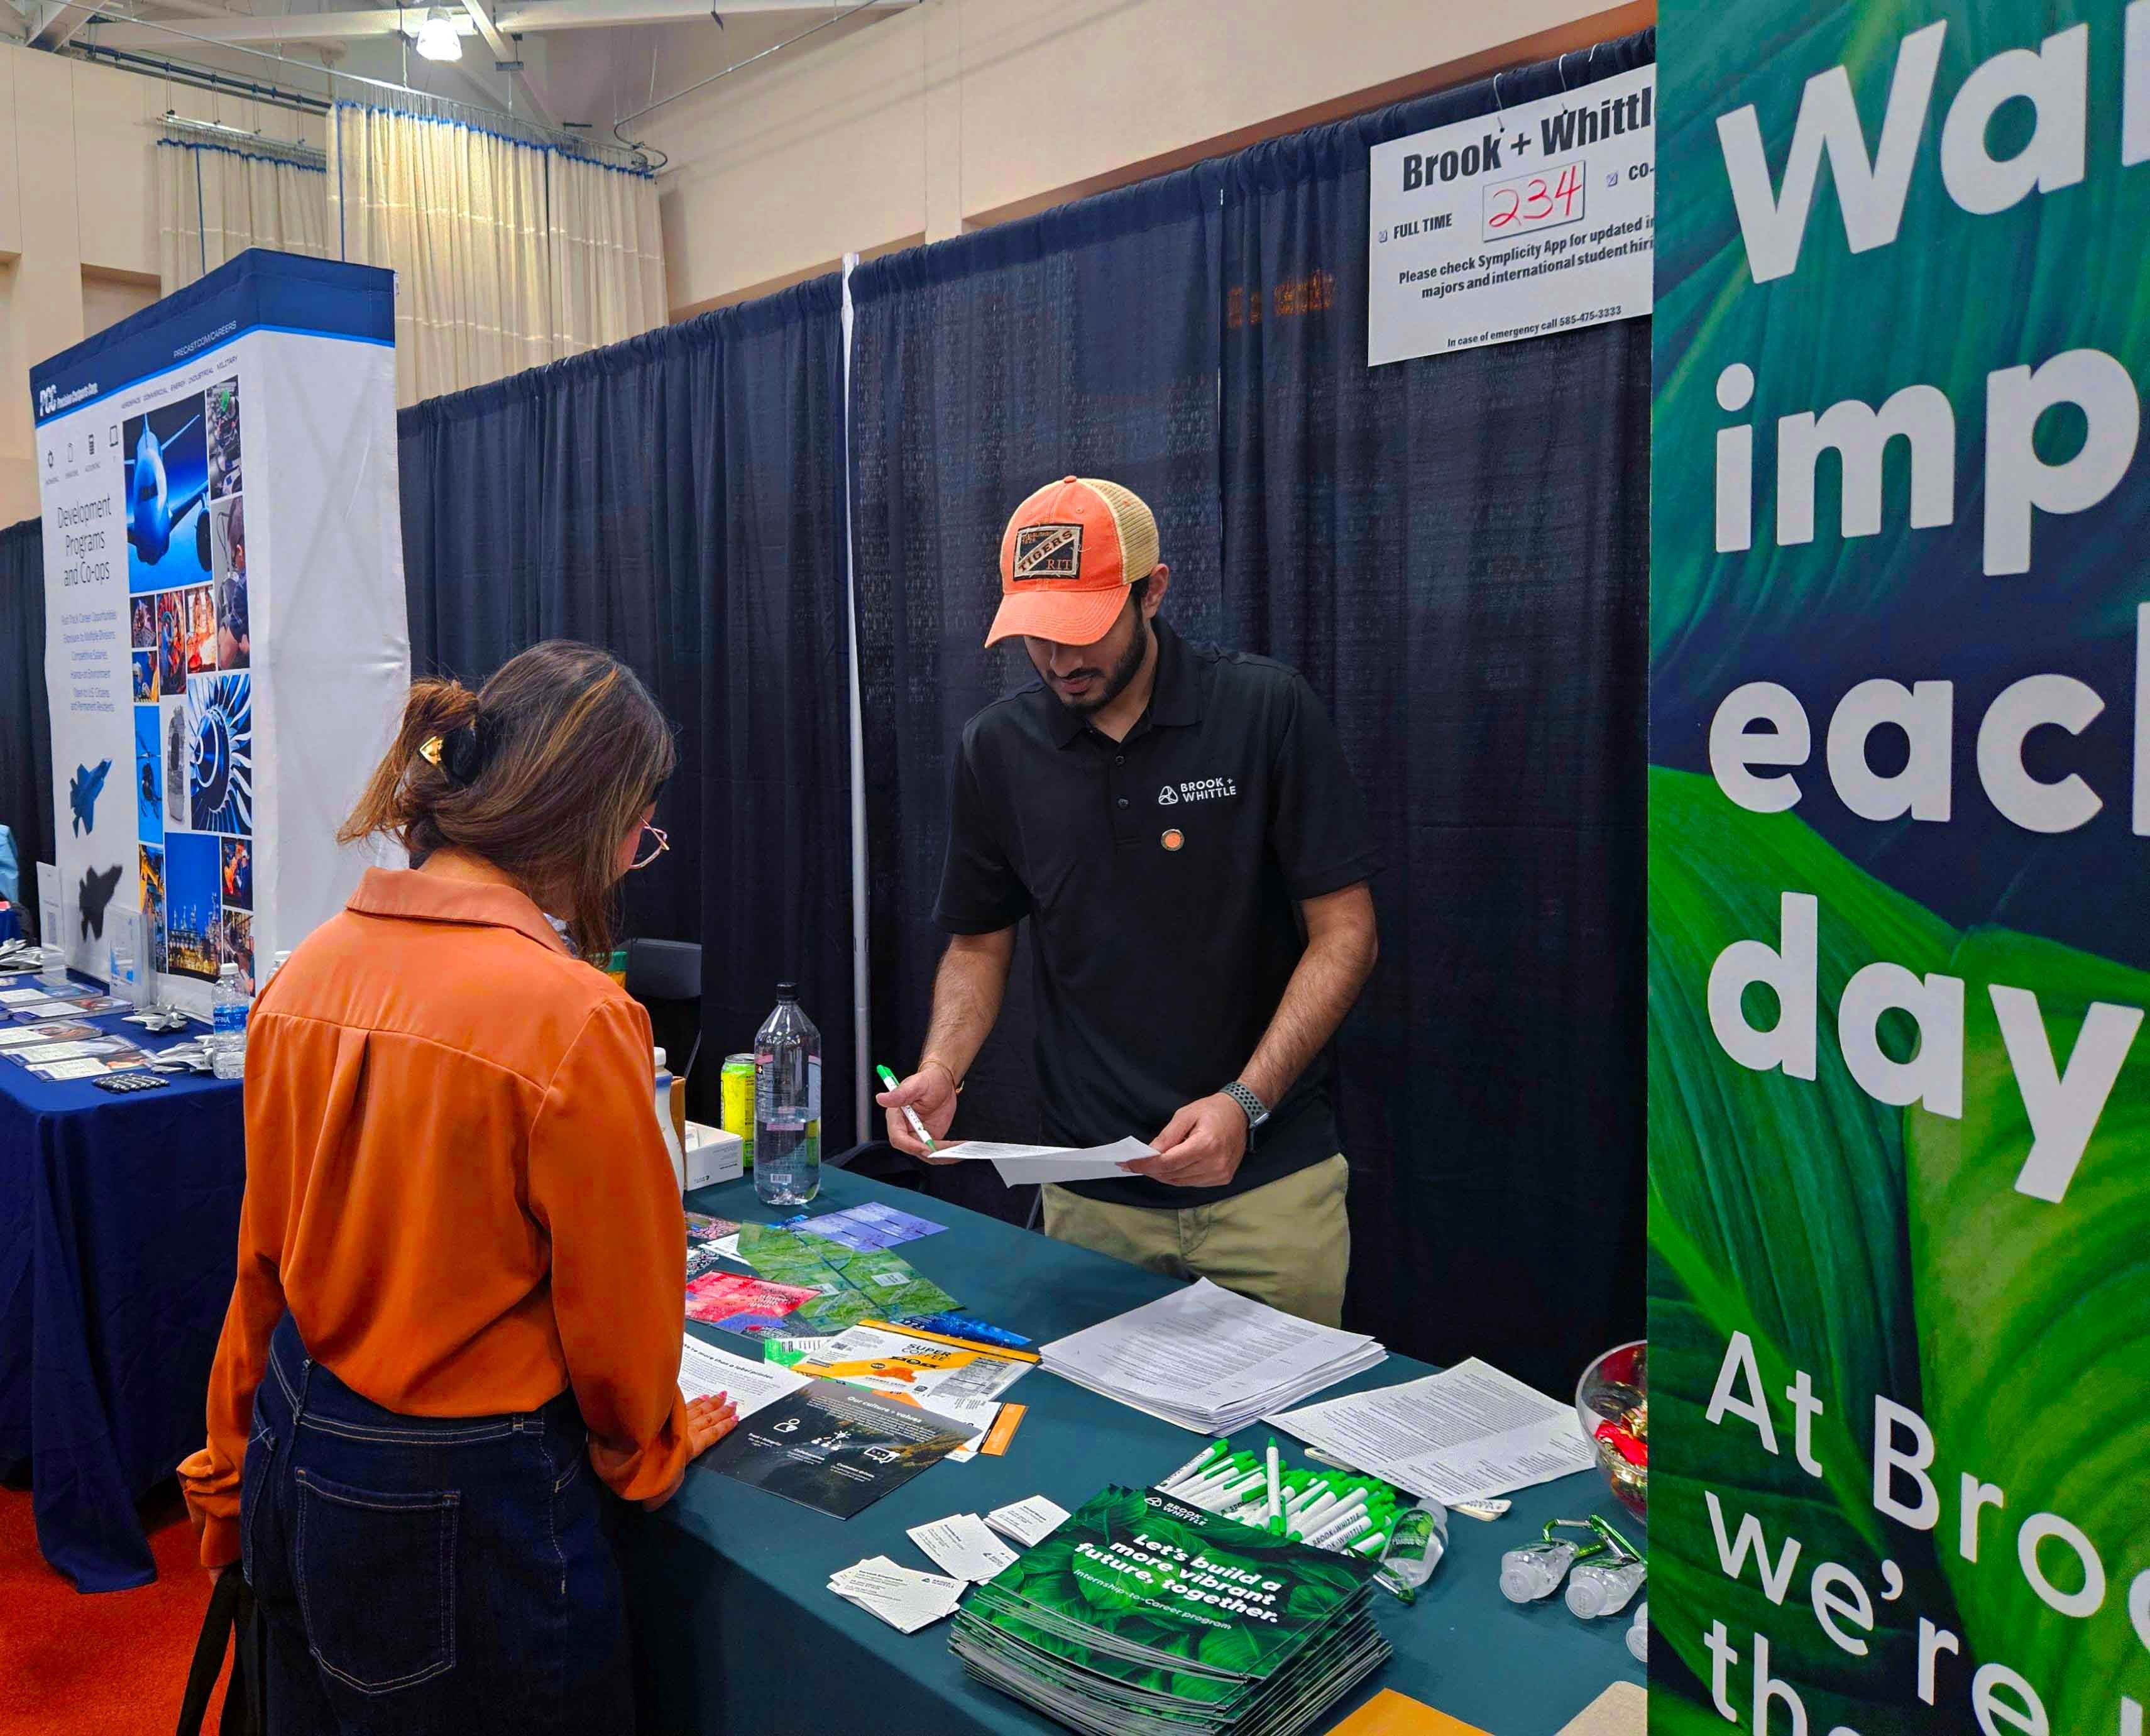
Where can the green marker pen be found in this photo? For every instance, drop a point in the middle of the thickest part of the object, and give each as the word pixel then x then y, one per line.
pixel 1229 1472
pixel 1207 1456
pixel 910 1114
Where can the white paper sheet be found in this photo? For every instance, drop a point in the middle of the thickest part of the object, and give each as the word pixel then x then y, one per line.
pixel 45 1054
pixel 705 1370
pixel 960 1547
pixel 1462 1435
pixel 60 1071
pixel 1030 1521
pixel 1020 1165
pixel 906 1599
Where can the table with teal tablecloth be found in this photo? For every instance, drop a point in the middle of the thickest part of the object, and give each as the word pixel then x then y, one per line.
pixel 119 1239
pixel 736 1630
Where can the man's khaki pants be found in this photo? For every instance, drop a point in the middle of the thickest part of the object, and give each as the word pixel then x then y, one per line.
pixel 1287 1244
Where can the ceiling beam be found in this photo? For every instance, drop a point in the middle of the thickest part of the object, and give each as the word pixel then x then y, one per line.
pixel 507 58
pixel 61 23
pixel 529 17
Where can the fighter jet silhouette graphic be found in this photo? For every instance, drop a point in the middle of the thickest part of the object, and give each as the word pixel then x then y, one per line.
pixel 98 887
pixel 152 509
pixel 83 790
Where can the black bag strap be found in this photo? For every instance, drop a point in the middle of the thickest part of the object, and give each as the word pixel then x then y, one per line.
pixel 230 1612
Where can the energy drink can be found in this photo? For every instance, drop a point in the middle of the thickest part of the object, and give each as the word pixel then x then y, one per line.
pixel 736 1107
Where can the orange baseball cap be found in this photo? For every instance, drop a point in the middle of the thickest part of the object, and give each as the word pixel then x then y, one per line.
pixel 1066 560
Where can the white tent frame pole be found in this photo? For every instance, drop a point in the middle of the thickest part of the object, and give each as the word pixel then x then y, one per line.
pixel 861 1023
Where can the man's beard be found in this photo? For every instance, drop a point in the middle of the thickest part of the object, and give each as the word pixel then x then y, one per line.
pixel 1116 678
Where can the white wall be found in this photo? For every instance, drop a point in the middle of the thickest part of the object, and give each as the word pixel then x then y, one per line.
pixel 79 220
pixel 963 112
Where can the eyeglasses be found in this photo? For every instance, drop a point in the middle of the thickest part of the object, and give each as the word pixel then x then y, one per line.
pixel 663 844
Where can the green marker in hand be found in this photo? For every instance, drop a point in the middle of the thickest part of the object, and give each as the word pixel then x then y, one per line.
pixel 910 1114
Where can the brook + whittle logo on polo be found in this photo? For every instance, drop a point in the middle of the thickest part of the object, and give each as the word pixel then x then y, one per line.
pixel 1199 790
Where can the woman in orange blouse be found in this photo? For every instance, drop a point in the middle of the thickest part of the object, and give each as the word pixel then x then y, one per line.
pixel 461 1253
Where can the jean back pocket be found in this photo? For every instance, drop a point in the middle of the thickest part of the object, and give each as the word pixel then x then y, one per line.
pixel 377 1577
pixel 252 1491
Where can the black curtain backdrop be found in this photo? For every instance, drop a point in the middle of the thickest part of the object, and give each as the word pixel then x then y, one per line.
pixel 26 723
pixel 679 500
pixel 1455 552
pixel 1079 342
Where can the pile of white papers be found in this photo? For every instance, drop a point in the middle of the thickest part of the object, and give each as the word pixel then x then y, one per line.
pixel 906 1600
pixel 1210 1359
pixel 1460 1436
pixel 1029 1522
pixel 961 1546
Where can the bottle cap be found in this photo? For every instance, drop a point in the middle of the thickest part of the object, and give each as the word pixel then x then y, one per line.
pixel 787 991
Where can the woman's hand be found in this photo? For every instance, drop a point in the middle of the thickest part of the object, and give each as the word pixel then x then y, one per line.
pixel 708 1421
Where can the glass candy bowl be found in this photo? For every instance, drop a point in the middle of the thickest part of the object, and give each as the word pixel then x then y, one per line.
pixel 1612 1399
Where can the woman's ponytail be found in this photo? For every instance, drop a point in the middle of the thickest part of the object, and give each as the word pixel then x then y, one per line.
pixel 547 774
pixel 436 751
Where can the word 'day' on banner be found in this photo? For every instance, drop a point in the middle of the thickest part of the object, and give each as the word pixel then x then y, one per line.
pixel 1899 943
pixel 223 591
pixel 1538 218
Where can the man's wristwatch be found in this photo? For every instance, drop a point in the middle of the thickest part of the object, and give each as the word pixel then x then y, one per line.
pixel 1257 1111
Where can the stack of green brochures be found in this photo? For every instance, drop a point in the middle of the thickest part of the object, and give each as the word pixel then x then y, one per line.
pixel 1144 1617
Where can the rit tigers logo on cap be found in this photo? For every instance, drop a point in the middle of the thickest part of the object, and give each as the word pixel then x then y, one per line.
pixel 1048 551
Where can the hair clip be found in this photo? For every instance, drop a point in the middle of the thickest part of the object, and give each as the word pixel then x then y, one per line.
pixel 429 750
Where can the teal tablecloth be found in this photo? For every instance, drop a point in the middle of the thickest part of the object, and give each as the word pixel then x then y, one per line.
pixel 737 1631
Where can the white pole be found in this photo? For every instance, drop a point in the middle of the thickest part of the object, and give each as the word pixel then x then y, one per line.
pixel 862 1059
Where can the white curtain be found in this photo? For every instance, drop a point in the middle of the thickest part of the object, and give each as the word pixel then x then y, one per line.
pixel 608 255
pixel 216 202
pixel 505 255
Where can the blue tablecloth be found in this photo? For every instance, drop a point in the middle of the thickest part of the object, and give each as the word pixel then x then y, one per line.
pixel 11 924
pixel 119 1232
pixel 735 1629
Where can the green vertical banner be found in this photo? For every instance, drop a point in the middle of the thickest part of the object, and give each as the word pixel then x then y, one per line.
pixel 1900 885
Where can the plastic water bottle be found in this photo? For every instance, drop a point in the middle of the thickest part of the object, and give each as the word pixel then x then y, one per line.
pixel 787 1104
pixel 227 1024
pixel 671 1133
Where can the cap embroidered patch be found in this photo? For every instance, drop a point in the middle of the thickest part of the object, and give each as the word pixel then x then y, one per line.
pixel 1048 551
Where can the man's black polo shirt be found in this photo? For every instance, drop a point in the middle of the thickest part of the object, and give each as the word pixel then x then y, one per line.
pixel 1161 875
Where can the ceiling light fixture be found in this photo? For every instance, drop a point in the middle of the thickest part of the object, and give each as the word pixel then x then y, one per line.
pixel 436 38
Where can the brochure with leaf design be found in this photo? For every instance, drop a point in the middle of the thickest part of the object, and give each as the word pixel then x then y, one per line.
pixel 1143 1614
pixel 851 1284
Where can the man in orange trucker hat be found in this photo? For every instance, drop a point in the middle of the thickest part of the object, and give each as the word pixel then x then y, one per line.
pixel 1179 826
